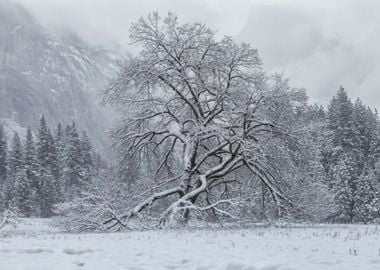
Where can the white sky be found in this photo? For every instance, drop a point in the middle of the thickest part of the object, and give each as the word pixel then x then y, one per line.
pixel 319 45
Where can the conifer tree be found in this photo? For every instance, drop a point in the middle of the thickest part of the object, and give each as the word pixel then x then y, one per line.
pixel 47 183
pixel 344 187
pixel 350 155
pixel 43 145
pixel 73 172
pixel 53 157
pixel 31 165
pixel 364 126
pixel 373 125
pixel 60 147
pixel 23 196
pixel 3 157
pixel 341 154
pixel 20 193
pixel 48 194
pixel 365 198
pixel 340 123
pixel 87 161
pixel 16 163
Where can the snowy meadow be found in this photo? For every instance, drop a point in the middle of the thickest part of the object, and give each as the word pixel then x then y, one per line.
pixel 37 245
pixel 184 152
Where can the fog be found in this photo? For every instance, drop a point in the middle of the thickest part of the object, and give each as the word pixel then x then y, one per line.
pixel 319 45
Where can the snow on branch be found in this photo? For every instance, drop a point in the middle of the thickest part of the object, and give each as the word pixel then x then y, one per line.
pixel 205 105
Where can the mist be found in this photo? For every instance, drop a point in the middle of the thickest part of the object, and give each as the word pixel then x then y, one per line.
pixel 197 152
pixel 318 45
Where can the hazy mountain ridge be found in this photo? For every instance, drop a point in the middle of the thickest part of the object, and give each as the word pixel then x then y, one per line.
pixel 55 74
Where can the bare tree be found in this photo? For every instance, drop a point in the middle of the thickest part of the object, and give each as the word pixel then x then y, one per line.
pixel 210 101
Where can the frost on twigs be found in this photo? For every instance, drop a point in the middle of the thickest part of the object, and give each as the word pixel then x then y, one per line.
pixel 205 111
pixel 87 212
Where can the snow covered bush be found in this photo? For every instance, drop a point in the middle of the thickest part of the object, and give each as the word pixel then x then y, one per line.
pixel 100 201
pixel 8 217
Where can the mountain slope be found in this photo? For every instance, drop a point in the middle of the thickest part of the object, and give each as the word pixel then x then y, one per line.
pixel 53 74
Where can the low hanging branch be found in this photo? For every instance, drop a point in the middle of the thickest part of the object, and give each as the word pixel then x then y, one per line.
pixel 205 103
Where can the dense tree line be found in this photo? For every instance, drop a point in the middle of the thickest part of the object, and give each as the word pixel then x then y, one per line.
pixel 351 156
pixel 36 174
pixel 333 175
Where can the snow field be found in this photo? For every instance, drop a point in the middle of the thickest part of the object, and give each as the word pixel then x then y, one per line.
pixel 313 248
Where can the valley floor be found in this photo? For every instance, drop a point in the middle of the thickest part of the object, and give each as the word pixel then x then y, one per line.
pixel 37 246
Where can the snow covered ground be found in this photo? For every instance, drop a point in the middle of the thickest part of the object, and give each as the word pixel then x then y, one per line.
pixel 35 245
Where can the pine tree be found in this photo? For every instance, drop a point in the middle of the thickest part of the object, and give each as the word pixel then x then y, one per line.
pixel 23 195
pixel 73 172
pixel 34 176
pixel 340 123
pixel 344 188
pixel 43 145
pixel 46 157
pixel 365 126
pixel 19 188
pixel 15 166
pixel 48 194
pixel 87 162
pixel 365 198
pixel 16 163
pixel 60 146
pixel 351 152
pixel 373 125
pixel 53 157
pixel 3 157
pixel 31 165
pixel 342 156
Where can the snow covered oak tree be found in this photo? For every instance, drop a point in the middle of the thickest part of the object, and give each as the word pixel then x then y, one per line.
pixel 208 104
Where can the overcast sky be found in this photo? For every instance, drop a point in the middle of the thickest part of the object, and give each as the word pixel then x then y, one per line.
pixel 319 45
